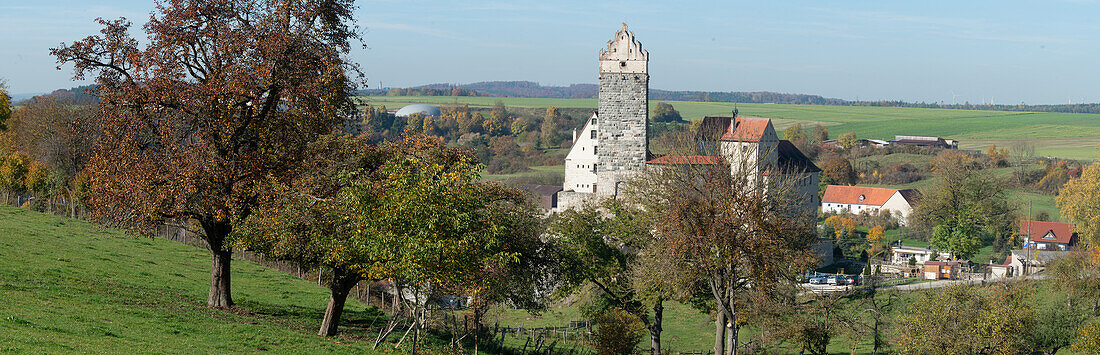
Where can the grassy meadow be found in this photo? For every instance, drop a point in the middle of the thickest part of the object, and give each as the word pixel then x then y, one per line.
pixel 1064 135
pixel 70 286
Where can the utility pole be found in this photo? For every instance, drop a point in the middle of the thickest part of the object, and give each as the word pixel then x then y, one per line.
pixel 1028 261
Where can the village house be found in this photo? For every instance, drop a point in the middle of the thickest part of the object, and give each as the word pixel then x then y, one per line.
pixel 870 200
pixel 902 254
pixel 1047 235
pixel 1029 261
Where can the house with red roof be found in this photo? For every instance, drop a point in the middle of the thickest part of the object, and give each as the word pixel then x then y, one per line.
pixel 1047 235
pixel 870 200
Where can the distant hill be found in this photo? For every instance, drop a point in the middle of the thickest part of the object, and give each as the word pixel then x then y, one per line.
pixel 590 91
pixel 80 95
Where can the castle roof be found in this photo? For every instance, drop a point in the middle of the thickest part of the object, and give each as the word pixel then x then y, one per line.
pixel 746 129
pixel 677 159
pixel 789 158
pixel 1047 232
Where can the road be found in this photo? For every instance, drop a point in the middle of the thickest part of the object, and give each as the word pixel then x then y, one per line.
pixel 911 287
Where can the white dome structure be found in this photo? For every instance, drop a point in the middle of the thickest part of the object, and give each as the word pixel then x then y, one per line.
pixel 426 110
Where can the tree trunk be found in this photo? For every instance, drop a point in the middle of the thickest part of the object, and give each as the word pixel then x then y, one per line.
pixel 219 295
pixel 720 333
pixel 655 328
pixel 731 333
pixel 342 282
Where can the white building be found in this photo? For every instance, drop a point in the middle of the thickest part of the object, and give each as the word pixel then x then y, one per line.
pixel 902 254
pixel 871 200
pixel 580 163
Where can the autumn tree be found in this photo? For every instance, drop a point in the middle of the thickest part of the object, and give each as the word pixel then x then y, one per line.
pixel 967 320
pixel 498 123
pixel 1079 202
pixel 664 112
pixel 876 238
pixel 819 135
pixel 847 140
pixel 59 137
pixel 794 133
pixel 5 106
pixel 1022 153
pixel 221 95
pixel 13 175
pixel 609 246
pixel 724 226
pixel 838 170
pixel 550 133
pixel 964 210
pixel 440 227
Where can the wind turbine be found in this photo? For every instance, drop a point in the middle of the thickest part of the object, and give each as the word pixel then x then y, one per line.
pixel 953 96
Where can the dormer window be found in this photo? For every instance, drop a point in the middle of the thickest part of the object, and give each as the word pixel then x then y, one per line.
pixel 862 197
pixel 622 64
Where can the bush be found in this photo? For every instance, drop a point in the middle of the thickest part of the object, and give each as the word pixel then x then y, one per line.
pixel 617 332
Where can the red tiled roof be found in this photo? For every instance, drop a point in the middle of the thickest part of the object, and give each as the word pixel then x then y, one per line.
pixel 747 129
pixel 676 159
pixel 851 195
pixel 1063 232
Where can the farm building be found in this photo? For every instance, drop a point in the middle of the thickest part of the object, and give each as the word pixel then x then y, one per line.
pixel 924 141
pixel 942 270
pixel 871 200
pixel 1047 235
pixel 861 142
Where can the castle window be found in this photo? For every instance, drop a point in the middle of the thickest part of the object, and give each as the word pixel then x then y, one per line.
pixel 622 64
pixel 594 167
pixel 594 149
pixel 593 134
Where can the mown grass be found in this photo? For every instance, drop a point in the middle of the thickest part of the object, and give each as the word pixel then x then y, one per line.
pixel 1065 135
pixel 71 286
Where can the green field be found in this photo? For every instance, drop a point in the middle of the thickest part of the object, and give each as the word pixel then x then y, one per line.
pixel 70 286
pixel 1065 135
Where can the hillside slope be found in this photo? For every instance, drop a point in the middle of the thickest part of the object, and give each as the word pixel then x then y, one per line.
pixel 71 286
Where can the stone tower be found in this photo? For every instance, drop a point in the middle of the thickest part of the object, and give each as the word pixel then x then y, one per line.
pixel 623 111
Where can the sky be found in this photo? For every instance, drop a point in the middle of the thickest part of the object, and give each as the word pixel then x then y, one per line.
pixel 1003 51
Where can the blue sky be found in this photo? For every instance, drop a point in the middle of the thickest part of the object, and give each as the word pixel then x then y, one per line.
pixel 977 51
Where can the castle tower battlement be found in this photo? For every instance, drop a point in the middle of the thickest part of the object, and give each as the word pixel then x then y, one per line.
pixel 623 146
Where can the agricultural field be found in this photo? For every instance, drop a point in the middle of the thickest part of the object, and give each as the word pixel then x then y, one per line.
pixel 1064 135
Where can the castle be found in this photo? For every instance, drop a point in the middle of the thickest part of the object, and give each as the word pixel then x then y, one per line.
pixel 613 144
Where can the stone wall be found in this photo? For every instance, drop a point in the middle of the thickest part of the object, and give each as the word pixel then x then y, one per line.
pixel 623 116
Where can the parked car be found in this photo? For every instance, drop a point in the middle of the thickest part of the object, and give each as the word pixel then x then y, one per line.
pixel 819 280
pixel 833 280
